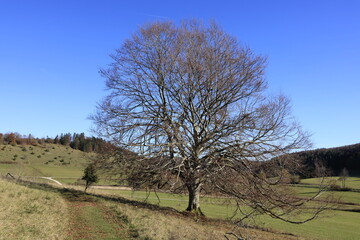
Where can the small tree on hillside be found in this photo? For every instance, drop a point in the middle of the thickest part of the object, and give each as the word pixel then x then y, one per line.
pixel 90 176
pixel 344 174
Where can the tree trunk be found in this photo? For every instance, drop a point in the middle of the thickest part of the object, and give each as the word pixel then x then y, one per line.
pixel 194 198
pixel 86 185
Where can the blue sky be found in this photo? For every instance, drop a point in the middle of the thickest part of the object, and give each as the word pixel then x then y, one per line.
pixel 51 51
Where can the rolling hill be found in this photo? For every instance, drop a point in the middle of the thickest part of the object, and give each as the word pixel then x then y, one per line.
pixel 47 160
pixel 334 159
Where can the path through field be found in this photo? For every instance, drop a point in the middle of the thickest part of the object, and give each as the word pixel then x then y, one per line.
pixel 91 219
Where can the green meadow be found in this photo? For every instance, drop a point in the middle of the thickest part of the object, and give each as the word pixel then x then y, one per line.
pixel 66 165
pixel 331 224
pixel 59 162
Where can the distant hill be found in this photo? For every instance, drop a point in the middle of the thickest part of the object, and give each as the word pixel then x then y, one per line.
pixel 76 141
pixel 335 159
pixel 48 160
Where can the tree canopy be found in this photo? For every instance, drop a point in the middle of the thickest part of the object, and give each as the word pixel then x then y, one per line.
pixel 191 101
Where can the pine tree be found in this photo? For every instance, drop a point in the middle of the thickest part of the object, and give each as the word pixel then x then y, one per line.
pixel 90 176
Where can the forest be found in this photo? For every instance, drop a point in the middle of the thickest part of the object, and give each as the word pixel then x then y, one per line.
pixel 76 141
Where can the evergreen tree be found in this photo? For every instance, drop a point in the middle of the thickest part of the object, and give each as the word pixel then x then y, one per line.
pixel 90 176
pixel 56 139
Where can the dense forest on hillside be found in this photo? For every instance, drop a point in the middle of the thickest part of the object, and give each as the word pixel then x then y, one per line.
pixel 334 159
pixel 76 141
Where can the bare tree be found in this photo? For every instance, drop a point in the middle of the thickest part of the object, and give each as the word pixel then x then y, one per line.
pixel 191 101
pixel 344 174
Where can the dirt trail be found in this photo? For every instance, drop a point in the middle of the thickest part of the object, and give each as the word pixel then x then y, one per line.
pixel 51 179
pixel 91 219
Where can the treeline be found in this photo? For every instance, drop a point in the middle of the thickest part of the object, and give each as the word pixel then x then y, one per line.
pixel 334 159
pixel 76 141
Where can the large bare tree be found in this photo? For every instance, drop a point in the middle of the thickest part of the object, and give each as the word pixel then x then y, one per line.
pixel 190 100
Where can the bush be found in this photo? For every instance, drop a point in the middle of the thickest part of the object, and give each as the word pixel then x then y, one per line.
pixel 334 187
pixel 90 175
pixel 295 179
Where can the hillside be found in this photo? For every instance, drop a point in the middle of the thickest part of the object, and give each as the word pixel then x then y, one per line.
pixel 334 159
pixel 66 165
pixel 34 211
pixel 48 160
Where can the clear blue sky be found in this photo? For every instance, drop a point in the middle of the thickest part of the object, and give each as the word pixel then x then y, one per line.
pixel 51 51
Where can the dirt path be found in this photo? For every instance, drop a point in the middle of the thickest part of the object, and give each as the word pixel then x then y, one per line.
pixel 51 179
pixel 91 219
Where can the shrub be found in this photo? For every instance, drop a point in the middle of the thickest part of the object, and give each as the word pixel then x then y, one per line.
pixel 334 187
pixel 90 175
pixel 294 179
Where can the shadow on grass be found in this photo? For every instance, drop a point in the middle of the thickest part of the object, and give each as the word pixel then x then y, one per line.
pixel 80 196
pixel 74 195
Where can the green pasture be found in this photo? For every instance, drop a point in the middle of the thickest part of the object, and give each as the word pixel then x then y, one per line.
pixel 332 224
pixel 48 160
pixel 66 165
pixel 336 225
pixel 342 196
pixel 350 182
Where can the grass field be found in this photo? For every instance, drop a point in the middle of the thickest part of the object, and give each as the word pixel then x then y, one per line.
pixel 66 165
pixel 32 211
pixel 333 224
pixel 350 182
pixel 49 160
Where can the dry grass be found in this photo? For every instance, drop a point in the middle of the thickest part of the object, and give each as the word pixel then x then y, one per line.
pixel 30 213
pixel 27 213
pixel 163 225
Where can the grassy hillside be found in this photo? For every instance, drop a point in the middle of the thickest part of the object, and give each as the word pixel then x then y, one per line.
pixel 33 211
pixel 333 224
pixel 66 165
pixel 49 160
